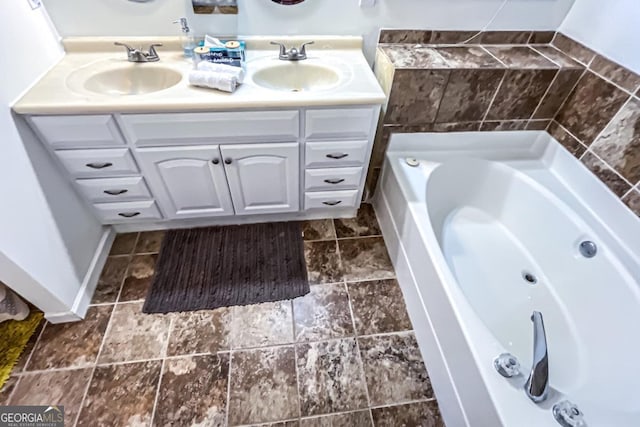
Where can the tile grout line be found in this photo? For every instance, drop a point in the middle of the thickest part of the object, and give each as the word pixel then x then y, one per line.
pixel 564 101
pixel 164 358
pixel 95 364
pixel 355 331
pixel 493 98
pixel 228 405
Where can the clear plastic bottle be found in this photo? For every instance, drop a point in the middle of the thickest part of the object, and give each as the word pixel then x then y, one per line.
pixel 187 39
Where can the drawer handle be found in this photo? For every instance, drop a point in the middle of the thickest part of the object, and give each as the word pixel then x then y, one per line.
pixel 129 214
pixel 115 192
pixel 334 180
pixel 99 165
pixel 337 156
pixel 332 202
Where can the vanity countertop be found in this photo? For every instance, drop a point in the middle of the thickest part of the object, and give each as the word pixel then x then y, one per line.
pixel 53 93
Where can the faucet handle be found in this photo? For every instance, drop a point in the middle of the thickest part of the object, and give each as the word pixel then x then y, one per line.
pixel 283 48
pixel 303 48
pixel 152 49
pixel 126 46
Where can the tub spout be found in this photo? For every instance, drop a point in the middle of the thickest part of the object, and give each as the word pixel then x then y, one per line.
pixel 538 383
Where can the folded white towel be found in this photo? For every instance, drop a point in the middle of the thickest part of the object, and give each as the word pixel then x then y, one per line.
pixel 220 81
pixel 237 72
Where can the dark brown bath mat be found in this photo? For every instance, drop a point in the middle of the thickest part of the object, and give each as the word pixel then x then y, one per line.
pixel 205 268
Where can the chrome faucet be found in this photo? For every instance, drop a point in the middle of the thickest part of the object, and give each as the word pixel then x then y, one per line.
pixel 137 55
pixel 537 386
pixel 292 54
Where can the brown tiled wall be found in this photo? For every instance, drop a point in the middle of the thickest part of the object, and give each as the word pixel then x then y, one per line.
pixel 495 82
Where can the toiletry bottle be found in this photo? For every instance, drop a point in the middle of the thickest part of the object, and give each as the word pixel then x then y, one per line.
pixel 187 38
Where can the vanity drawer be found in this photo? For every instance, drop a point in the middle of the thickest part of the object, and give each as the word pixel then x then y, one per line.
pixel 335 153
pixel 339 123
pixel 78 131
pixel 330 199
pixel 98 163
pixel 127 211
pixel 332 179
pixel 114 189
pixel 208 128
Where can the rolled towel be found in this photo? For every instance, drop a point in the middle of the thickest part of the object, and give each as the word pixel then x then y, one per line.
pixel 220 81
pixel 237 72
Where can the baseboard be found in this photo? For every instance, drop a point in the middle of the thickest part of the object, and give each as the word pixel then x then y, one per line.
pixel 89 283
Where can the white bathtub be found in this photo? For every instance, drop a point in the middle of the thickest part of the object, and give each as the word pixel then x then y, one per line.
pixel 462 228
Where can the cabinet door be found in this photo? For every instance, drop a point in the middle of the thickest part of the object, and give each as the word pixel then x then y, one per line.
pixel 263 178
pixel 188 182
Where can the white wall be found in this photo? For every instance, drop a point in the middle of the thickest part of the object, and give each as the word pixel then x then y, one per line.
pixel 611 28
pixel 263 17
pixel 47 238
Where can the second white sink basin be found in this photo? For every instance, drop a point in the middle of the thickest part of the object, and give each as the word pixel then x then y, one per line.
pixel 296 77
pixel 119 78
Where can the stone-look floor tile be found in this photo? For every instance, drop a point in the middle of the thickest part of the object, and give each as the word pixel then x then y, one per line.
pixel 28 349
pixel 606 174
pixel 590 106
pixel 322 314
pixel 121 395
pixel 619 144
pixel 378 307
pixel 73 344
pixel 351 419
pixel 451 36
pixel 65 388
pixel 504 37
pixel 633 201
pixel 110 280
pixel 365 258
pixel 193 392
pixel 364 224
pixel 323 262
pixel 569 142
pixel 149 242
pixel 133 335
pixel 538 124
pixel 200 332
pixel 394 369
pixel 466 57
pixel 7 389
pixel 139 277
pixel 262 325
pixel 320 229
pixel 330 377
pixel 263 386
pixel 520 57
pixel 124 244
pixel 422 414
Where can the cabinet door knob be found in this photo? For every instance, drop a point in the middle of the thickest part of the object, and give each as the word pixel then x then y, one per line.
pixel 129 214
pixel 98 165
pixel 337 156
pixel 115 192
pixel 215 161
pixel 334 180
pixel 228 160
pixel 332 202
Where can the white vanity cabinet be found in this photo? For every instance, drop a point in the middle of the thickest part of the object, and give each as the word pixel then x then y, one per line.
pixel 188 182
pixel 235 166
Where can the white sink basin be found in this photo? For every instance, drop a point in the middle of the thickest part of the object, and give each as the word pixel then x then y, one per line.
pixel 296 77
pixel 124 79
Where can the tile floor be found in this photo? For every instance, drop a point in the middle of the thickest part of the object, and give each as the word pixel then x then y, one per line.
pixel 344 355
